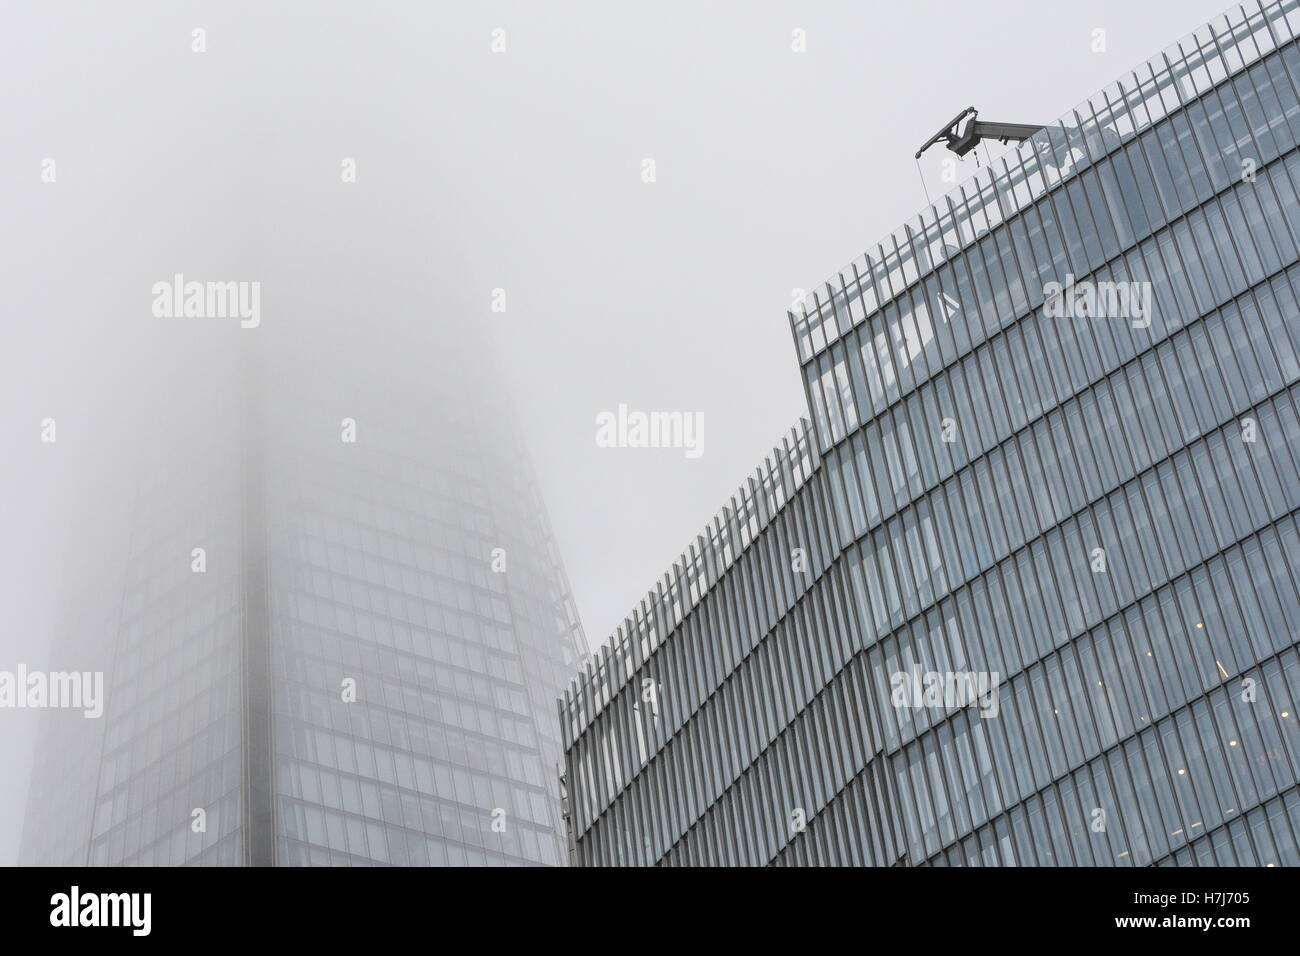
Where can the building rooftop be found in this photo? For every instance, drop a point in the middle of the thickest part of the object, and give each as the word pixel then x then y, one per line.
pixel 1022 175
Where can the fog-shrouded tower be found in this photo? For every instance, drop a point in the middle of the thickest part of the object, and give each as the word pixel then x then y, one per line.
pixel 325 598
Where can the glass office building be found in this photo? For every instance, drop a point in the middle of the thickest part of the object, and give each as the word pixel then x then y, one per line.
pixel 365 671
pixel 1053 457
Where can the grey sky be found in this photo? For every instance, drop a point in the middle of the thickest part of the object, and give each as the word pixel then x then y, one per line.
pixel 519 170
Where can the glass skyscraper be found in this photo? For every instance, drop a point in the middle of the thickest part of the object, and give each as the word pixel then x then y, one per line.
pixel 1052 461
pixel 362 665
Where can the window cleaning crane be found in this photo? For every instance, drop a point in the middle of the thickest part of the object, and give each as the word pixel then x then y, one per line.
pixel 961 140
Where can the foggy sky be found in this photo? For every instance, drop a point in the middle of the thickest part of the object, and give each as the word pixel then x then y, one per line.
pixel 477 171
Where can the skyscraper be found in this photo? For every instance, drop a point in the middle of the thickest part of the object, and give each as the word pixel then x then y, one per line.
pixel 339 625
pixel 1025 590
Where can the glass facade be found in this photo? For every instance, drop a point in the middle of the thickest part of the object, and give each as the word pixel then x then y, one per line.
pixel 120 790
pixel 365 673
pixel 383 554
pixel 1096 511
